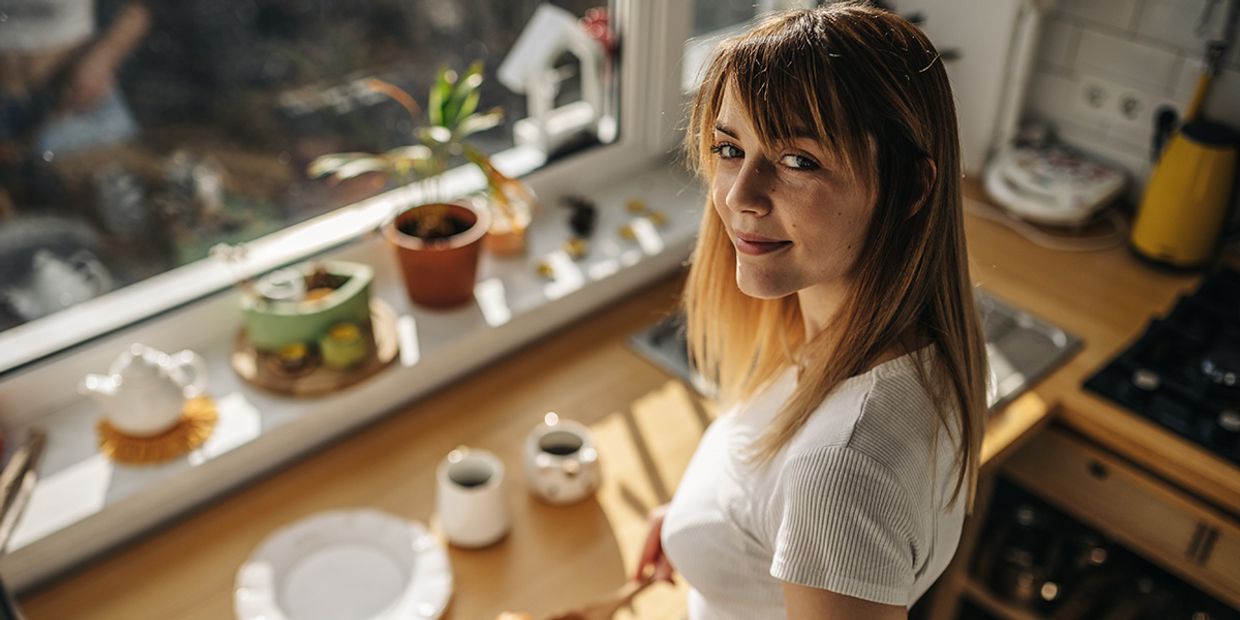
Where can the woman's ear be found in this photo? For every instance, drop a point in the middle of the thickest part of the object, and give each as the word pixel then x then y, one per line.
pixel 928 173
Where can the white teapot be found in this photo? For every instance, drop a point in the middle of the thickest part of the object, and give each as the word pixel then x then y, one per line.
pixel 146 389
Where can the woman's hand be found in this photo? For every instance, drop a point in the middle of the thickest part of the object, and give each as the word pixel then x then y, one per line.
pixel 653 564
pixel 90 82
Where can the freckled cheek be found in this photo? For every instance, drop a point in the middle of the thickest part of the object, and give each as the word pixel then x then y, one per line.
pixel 718 195
pixel 719 191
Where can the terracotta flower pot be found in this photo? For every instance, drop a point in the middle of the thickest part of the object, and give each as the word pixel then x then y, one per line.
pixel 439 273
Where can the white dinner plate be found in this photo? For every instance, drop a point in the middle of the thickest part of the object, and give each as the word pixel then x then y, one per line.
pixel 356 564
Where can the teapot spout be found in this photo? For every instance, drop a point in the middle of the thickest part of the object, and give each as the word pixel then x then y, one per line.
pixel 99 386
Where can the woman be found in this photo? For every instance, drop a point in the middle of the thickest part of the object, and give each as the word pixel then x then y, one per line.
pixel 829 299
pixel 58 92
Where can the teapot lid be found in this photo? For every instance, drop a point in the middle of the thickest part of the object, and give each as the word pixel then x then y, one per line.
pixel 140 364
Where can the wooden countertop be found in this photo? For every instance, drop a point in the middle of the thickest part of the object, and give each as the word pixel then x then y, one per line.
pixel 1108 299
pixel 647 425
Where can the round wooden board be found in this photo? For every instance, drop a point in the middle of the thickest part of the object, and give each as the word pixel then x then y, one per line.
pixel 261 369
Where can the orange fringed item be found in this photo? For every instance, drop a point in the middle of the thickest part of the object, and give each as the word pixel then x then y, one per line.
pixel 198 419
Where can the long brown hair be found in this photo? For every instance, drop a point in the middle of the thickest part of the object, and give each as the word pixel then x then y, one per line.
pixel 873 90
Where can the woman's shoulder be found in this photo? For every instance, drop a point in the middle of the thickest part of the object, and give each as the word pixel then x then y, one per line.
pixel 884 404
pixel 885 414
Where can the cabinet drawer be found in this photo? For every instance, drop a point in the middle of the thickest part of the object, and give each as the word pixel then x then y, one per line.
pixel 1223 559
pixel 1142 512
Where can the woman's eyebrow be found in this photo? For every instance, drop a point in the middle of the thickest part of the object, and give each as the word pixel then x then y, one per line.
pixel 801 133
pixel 724 129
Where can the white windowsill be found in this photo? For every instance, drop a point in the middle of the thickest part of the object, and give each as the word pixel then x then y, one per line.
pixel 84 503
pixel 48 336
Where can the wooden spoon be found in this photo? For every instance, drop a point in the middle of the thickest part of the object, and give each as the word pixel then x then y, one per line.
pixel 605 608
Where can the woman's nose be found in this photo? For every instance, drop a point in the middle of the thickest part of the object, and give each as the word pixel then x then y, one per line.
pixel 750 191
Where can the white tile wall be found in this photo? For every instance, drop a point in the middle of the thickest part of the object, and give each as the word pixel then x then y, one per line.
pixel 1113 13
pixel 1223 102
pixel 1151 46
pixel 1174 22
pixel 1126 60
pixel 1051 97
pixel 1060 38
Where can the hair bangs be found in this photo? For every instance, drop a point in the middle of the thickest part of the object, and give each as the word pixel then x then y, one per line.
pixel 789 90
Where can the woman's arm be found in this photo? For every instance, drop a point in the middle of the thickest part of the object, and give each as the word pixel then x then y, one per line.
pixel 124 34
pixel 93 76
pixel 806 603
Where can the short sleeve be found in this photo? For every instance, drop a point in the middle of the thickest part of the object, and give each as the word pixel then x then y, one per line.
pixel 846 526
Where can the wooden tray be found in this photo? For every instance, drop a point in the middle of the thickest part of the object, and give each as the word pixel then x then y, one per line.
pixel 262 369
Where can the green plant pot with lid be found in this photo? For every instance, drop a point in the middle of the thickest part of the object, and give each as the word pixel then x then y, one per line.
pixel 271 324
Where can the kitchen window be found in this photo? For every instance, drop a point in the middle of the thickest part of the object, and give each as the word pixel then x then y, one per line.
pixel 217 109
pixel 83 502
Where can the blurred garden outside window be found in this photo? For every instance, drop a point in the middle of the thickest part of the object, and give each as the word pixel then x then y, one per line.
pixel 136 135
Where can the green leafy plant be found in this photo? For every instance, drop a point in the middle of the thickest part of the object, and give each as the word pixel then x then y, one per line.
pixel 452 116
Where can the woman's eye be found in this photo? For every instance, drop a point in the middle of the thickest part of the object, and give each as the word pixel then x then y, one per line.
pixel 799 162
pixel 726 151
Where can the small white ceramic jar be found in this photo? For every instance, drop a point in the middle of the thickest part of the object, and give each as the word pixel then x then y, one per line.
pixel 473 506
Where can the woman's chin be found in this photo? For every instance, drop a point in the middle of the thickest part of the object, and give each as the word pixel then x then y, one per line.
pixel 761 290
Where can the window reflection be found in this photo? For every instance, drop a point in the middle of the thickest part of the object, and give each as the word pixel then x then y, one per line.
pixel 135 135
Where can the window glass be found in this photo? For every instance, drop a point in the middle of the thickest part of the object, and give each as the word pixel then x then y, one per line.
pixel 135 135
pixel 716 19
pixel 713 15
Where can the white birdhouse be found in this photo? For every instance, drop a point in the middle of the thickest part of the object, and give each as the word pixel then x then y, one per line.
pixel 529 68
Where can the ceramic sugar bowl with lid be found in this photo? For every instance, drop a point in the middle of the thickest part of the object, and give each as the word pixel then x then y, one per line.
pixel 561 461
pixel 145 389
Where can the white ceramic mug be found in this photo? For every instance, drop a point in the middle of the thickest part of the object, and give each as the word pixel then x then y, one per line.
pixel 561 462
pixel 473 508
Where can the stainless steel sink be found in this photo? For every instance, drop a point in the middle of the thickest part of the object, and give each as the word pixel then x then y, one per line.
pixel 1022 349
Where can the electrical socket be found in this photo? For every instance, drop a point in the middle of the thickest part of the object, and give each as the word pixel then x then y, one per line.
pixel 1094 98
pixel 1124 111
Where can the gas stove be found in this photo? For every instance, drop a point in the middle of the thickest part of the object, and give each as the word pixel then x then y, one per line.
pixel 1184 371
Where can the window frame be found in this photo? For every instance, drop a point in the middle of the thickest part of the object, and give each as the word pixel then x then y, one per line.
pixel 652 35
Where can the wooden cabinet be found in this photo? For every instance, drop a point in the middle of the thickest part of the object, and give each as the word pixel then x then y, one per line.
pixel 1221 561
pixel 1188 537
pixel 1174 530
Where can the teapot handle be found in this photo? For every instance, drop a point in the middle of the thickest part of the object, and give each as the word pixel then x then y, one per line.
pixel 194 383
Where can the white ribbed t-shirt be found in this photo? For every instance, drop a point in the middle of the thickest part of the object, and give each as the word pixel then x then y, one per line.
pixel 856 503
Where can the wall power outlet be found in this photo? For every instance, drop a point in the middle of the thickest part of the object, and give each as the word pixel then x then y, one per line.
pixel 1125 111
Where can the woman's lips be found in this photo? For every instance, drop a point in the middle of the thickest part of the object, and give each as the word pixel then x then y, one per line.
pixel 756 248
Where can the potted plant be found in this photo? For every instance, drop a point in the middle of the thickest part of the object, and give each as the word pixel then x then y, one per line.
pixel 438 242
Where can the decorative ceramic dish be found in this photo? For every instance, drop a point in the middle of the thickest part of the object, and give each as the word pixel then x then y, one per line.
pixel 287 308
pixel 265 370
pixel 359 564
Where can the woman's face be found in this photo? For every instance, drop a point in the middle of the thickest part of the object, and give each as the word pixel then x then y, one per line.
pixel 807 202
